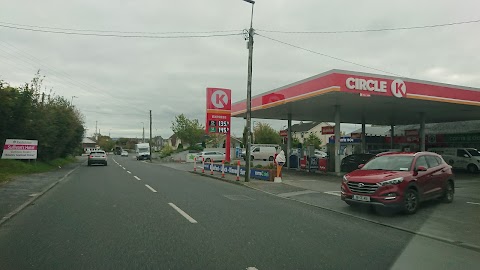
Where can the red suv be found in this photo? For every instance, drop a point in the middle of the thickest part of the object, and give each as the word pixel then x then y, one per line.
pixel 399 180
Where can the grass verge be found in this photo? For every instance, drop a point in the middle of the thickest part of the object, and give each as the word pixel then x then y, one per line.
pixel 10 168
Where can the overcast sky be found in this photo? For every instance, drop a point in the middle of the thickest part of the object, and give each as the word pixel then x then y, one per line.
pixel 117 80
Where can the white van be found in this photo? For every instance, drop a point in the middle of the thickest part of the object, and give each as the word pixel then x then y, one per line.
pixel 460 158
pixel 263 152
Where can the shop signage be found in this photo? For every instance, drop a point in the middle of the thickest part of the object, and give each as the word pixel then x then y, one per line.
pixel 219 107
pixel 284 133
pixel 397 87
pixel 328 130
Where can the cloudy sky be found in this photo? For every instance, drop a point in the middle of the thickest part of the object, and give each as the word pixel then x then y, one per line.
pixel 117 80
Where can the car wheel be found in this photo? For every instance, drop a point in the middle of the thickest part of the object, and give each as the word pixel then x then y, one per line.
pixel 105 164
pixel 472 168
pixel 270 158
pixel 449 193
pixel 207 160
pixel 411 201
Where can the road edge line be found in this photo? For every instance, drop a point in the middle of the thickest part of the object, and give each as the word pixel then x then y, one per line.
pixel 31 200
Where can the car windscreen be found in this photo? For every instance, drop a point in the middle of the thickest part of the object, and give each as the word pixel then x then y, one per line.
pixel 473 152
pixel 389 163
pixel 143 149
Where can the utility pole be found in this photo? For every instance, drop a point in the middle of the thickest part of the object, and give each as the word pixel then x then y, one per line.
pixel 96 134
pixel 249 95
pixel 143 132
pixel 150 142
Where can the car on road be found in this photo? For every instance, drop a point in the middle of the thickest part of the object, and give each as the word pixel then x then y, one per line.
pixel 351 162
pixel 399 181
pixel 210 155
pixel 124 153
pixel 97 157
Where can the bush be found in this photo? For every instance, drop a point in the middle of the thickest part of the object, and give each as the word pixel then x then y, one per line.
pixel 166 151
pixel 259 166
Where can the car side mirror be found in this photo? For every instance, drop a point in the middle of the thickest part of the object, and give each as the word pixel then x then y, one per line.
pixel 421 169
pixel 361 166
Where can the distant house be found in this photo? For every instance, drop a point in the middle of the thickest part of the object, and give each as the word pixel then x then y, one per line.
pixel 302 130
pixel 174 142
pixel 88 143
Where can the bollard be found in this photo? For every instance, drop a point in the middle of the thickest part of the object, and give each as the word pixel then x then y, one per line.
pixel 223 168
pixel 203 165
pixel 194 164
pixel 211 166
pixel 238 170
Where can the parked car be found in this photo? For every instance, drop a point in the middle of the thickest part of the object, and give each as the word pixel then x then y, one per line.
pixel 97 157
pixel 351 162
pixel 399 181
pixel 211 155
pixel 124 153
pixel 460 158
pixel 320 154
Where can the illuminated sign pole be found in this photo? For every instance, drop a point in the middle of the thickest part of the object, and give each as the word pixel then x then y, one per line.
pixel 219 107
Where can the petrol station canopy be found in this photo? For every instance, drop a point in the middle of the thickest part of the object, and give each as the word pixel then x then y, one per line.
pixel 380 100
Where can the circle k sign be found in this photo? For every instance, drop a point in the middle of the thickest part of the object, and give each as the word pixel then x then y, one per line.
pixel 398 88
pixel 219 99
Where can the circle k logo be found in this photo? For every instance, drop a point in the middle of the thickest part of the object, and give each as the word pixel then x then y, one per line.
pixel 219 99
pixel 398 88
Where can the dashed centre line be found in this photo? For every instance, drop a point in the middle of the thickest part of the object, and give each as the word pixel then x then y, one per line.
pixel 149 187
pixel 136 177
pixel 181 212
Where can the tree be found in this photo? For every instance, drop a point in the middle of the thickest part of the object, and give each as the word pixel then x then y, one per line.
pixel 295 142
pixel 313 139
pixel 105 143
pixel 265 134
pixel 189 131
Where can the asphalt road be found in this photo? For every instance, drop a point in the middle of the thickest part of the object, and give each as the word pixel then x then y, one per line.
pixel 146 216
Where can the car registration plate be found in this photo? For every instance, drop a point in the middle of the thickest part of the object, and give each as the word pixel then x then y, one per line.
pixel 361 198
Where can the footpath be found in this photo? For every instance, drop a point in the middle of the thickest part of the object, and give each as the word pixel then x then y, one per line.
pixel 434 219
pixel 23 190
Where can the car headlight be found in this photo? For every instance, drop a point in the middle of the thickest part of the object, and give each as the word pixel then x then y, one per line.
pixel 394 181
pixel 345 179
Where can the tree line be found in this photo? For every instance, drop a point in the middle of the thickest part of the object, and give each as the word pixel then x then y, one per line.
pixel 28 113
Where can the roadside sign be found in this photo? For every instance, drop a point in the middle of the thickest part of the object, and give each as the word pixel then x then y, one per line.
pixel 20 149
pixel 219 108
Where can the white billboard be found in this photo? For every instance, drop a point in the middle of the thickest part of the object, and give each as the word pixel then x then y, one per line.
pixel 20 149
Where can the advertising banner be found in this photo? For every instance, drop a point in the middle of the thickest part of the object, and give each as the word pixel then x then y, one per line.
pixel 20 149
pixel 254 173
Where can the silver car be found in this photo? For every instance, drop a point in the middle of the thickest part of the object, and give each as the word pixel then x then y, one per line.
pixel 210 155
pixel 97 157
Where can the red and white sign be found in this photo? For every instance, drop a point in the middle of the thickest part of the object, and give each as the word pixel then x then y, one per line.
pixel 328 130
pixel 412 132
pixel 219 107
pixel 284 133
pixel 20 149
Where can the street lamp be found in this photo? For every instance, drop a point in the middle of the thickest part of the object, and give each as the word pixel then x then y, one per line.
pixel 249 94
pixel 71 102
pixel 143 133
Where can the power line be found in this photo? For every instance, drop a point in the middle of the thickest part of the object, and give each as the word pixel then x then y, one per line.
pixel 121 32
pixel 119 35
pixel 329 56
pixel 372 30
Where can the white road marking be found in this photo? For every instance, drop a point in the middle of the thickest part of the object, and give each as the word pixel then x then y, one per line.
pixel 252 268
pixel 185 215
pixel 295 193
pixel 123 168
pixel 336 193
pixel 149 187
pixel 129 172
pixel 473 203
pixel 136 177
